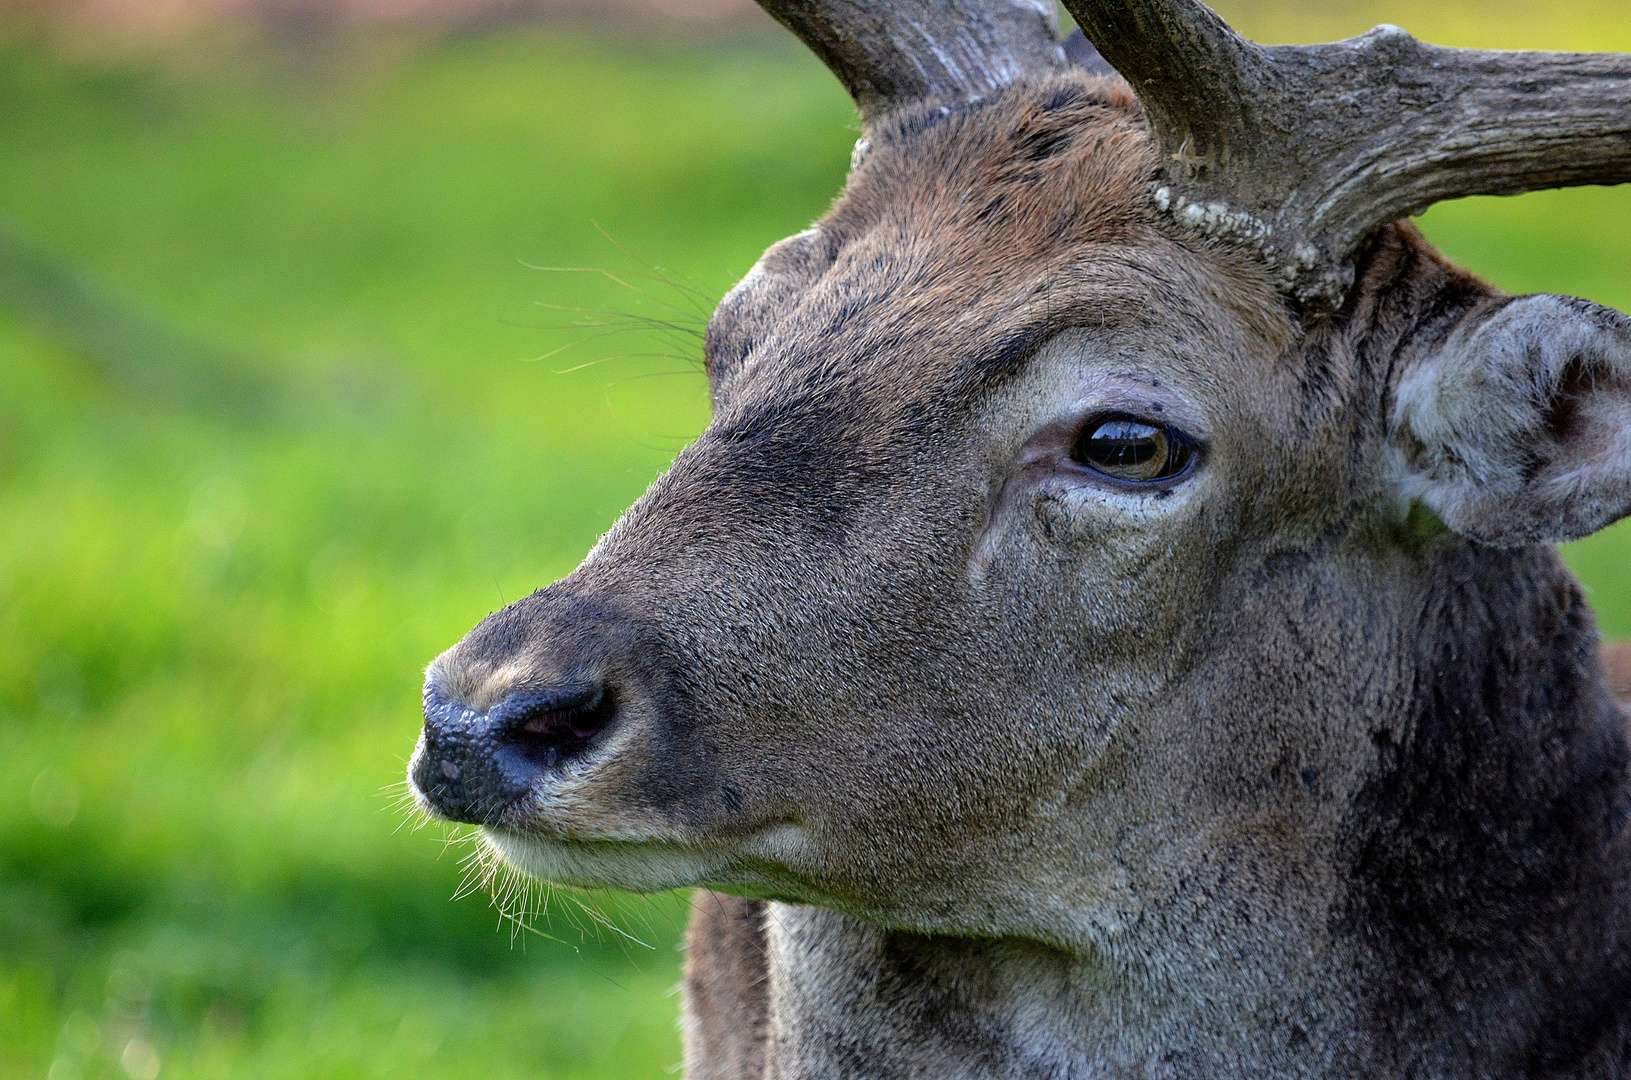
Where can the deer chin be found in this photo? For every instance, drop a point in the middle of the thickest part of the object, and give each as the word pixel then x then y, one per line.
pixel 634 865
pixel 779 860
pixel 573 835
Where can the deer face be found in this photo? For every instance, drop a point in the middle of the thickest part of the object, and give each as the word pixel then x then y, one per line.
pixel 1053 525
pixel 971 486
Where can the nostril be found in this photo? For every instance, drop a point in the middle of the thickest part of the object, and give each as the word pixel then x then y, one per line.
pixel 549 726
pixel 471 765
pixel 581 725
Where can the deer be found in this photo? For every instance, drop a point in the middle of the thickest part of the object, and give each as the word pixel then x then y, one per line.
pixel 1111 624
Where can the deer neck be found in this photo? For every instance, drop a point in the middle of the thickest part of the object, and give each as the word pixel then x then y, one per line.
pixel 849 999
pixel 1487 860
pixel 1452 903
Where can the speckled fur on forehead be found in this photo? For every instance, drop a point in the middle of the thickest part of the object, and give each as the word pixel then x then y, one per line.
pixel 968 234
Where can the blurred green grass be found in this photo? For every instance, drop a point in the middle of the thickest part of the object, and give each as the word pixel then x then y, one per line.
pixel 282 417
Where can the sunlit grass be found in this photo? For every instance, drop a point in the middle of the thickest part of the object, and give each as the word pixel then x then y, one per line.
pixel 213 618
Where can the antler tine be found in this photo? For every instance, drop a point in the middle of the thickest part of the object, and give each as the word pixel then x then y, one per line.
pixel 1302 150
pixel 1194 75
pixel 890 52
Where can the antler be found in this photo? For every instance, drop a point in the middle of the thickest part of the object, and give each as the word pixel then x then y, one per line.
pixel 889 52
pixel 1302 150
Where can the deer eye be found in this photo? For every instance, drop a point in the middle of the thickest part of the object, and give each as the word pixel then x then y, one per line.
pixel 1131 450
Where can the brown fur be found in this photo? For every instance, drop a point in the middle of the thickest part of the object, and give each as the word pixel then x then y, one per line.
pixel 727 988
pixel 1617 666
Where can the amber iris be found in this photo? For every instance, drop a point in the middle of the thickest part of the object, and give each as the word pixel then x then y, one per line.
pixel 1132 450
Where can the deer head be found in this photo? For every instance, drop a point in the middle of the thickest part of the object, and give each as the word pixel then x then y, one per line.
pixel 1089 499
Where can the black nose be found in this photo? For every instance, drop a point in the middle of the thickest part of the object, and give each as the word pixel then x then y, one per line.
pixel 472 765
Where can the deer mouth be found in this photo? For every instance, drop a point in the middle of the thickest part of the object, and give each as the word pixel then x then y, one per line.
pixel 642 864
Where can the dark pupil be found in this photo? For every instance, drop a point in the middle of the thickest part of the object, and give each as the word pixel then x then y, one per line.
pixel 1128 450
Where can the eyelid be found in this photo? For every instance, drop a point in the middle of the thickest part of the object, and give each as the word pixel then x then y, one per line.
pixel 1157 405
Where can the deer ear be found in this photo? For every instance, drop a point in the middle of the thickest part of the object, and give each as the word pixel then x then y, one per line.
pixel 1516 428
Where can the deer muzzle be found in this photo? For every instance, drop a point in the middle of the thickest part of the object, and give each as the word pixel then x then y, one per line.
pixel 471 765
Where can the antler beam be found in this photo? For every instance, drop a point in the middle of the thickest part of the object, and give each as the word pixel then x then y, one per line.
pixel 1302 150
pixel 889 52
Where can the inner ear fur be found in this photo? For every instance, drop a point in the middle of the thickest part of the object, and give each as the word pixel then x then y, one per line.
pixel 1515 428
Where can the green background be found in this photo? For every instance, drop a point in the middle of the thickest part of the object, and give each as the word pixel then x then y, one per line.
pixel 287 404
